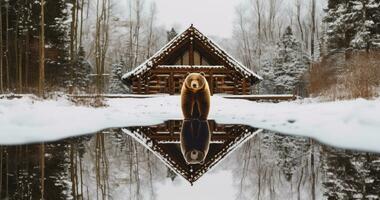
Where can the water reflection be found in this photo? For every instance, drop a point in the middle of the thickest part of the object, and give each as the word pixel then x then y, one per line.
pixel 195 140
pixel 174 140
pixel 112 165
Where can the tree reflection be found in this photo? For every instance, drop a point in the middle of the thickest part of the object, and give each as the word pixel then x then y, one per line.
pixel 112 165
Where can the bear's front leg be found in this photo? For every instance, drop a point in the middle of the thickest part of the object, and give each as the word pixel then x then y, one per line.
pixel 187 104
pixel 203 103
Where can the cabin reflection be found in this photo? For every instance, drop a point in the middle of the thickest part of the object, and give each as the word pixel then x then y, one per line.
pixel 164 140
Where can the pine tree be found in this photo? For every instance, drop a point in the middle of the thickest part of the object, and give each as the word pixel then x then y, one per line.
pixel 22 41
pixel 283 74
pixel 290 152
pixel 171 34
pixel 350 175
pixel 116 85
pixel 81 72
pixel 353 24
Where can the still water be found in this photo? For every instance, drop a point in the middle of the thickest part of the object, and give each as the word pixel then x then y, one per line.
pixel 134 162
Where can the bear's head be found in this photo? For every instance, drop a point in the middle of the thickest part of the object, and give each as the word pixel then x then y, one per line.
pixel 195 81
pixel 195 157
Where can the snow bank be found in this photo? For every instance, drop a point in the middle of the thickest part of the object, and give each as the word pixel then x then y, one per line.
pixel 351 124
pixel 27 120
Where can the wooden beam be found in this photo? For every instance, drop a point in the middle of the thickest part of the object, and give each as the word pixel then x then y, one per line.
pixel 244 86
pixel 171 83
pixel 112 96
pixel 191 53
pixel 146 86
pixel 275 98
pixel 164 71
pixel 176 137
pixel 211 83
pixel 139 86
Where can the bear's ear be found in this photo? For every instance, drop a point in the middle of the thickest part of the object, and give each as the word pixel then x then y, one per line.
pixel 187 73
pixel 203 74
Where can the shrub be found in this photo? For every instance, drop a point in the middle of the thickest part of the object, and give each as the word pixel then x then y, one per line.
pixel 346 75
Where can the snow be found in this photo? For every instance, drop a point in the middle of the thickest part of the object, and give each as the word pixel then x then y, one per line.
pixel 353 124
pixel 192 66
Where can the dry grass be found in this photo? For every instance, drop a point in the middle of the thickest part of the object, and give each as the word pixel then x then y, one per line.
pixel 346 76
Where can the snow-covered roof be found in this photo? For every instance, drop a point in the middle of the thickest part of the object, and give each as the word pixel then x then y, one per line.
pixel 192 66
pixel 190 34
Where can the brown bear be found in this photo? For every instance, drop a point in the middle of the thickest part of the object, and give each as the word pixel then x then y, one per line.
pixel 195 133
pixel 195 97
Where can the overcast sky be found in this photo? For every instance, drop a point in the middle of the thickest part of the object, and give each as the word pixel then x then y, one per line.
pixel 212 17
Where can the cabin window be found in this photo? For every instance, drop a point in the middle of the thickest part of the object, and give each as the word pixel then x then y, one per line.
pixel 198 59
pixel 185 58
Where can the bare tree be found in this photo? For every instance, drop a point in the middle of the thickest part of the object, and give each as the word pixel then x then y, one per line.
pixel 7 43
pixel 130 41
pixel 42 168
pixel 298 8
pixel 73 30
pixel 81 23
pixel 244 36
pixel 273 11
pixel 101 40
pixel 17 50
pixel 312 42
pixel 27 44
pixel 258 8
pixel 138 9
pixel 1 170
pixel 153 11
pixel 41 80
pixel 1 54
pixel 73 36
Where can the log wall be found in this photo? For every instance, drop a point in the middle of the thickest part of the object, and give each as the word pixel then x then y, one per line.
pixel 170 81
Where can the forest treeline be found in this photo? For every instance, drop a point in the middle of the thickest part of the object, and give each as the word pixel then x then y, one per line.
pixel 311 47
pixel 301 47
pixel 82 39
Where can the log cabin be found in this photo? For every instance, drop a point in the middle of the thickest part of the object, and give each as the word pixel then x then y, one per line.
pixel 190 51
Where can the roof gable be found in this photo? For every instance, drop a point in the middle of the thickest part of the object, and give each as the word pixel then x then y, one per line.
pixel 192 35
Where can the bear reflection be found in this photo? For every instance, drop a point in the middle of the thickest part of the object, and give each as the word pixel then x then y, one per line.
pixel 195 140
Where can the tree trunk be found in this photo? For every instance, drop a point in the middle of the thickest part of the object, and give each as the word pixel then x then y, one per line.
pixel 7 44
pixel 298 6
pixel 1 170
pixel 150 35
pixel 258 11
pixel 312 169
pixel 41 80
pixel 312 30
pixel 81 24
pixel 42 168
pixel 72 41
pixel 137 32
pixel 1 59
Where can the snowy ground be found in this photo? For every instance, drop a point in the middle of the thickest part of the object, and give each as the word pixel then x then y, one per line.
pixel 351 124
